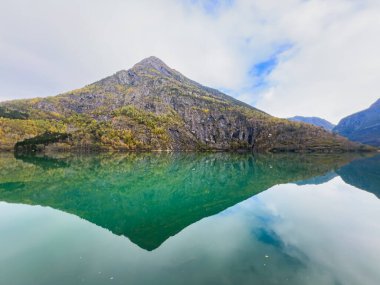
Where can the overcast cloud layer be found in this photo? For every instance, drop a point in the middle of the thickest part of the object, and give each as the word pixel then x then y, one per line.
pixel 288 57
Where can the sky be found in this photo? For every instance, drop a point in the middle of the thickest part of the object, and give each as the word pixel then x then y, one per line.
pixel 289 57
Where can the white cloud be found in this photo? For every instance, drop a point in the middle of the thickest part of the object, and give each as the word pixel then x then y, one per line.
pixel 335 70
pixel 47 47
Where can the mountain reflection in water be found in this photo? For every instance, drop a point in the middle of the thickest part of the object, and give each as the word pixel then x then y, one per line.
pixel 150 197
pixel 189 219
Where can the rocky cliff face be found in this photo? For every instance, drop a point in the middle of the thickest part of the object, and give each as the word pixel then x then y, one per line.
pixel 363 126
pixel 154 107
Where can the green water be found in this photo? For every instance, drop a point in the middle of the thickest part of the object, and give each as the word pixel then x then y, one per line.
pixel 189 219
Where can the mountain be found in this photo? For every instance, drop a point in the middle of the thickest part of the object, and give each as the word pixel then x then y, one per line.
pixel 319 122
pixel 363 126
pixel 153 107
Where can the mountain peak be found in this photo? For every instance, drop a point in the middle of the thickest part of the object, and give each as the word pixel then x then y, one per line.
pixel 151 60
pixel 154 63
pixel 154 66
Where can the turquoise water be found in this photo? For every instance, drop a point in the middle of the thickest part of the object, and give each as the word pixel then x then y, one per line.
pixel 189 219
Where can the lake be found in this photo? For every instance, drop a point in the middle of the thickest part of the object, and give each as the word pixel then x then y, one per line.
pixel 189 218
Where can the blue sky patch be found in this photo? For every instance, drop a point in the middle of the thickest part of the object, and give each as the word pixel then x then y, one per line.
pixel 266 66
pixel 212 6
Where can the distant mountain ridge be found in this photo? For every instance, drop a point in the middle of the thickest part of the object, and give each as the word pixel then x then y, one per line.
pixel 153 107
pixel 363 127
pixel 316 121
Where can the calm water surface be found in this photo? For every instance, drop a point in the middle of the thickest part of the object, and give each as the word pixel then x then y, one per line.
pixel 190 219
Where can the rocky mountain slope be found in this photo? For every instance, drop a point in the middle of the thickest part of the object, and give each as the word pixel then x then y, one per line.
pixel 153 107
pixel 363 126
pixel 316 121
